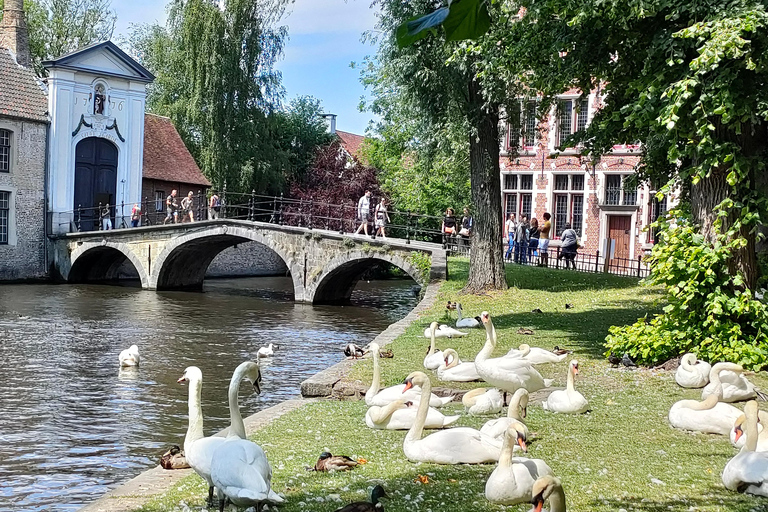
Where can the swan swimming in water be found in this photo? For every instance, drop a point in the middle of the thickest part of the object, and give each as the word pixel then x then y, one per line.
pixel 130 356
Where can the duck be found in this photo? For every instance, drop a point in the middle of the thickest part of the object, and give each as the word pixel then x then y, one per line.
pixel 434 357
pixel 267 351
pixel 567 401
pixel 709 416
pixel 329 462
pixel 508 374
pixel 352 350
pixel 513 479
pixel 736 387
pixel 535 355
pixel 517 411
pixel 444 331
pixel 551 488
pixel 747 472
pixel 401 415
pixel 738 439
pixel 560 351
pixel 375 505
pixel 130 356
pixel 174 459
pixel 377 396
pixel 386 354
pixel 481 401
pixel 453 369
pixel 466 322
pixel 458 445
pixel 692 373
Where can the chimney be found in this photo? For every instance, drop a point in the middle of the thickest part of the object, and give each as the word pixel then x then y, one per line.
pixel 332 120
pixel 13 31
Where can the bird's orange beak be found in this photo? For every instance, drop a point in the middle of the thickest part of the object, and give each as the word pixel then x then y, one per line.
pixel 739 432
pixel 539 506
pixel 521 443
pixel 181 380
pixel 408 385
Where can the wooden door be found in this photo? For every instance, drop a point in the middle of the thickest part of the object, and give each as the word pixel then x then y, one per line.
pixel 95 179
pixel 619 227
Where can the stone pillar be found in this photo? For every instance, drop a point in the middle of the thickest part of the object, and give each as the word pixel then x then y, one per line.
pixel 13 31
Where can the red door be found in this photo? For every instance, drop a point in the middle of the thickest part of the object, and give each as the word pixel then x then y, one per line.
pixel 619 238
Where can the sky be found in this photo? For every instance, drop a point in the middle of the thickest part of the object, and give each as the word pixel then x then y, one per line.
pixel 324 40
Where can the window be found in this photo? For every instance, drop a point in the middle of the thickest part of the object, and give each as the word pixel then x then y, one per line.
pixel 620 190
pixel 572 116
pixel 658 209
pixel 5 151
pixel 5 213
pixel 569 202
pixel 582 114
pixel 523 124
pixel 159 201
pixel 517 194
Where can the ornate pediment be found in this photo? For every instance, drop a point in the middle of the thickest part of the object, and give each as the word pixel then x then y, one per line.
pixel 102 59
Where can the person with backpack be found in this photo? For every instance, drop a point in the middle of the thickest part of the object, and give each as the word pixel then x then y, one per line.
pixel 214 206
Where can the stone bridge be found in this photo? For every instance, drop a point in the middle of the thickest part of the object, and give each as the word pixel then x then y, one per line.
pixel 324 265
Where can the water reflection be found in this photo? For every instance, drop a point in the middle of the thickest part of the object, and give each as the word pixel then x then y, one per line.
pixel 75 424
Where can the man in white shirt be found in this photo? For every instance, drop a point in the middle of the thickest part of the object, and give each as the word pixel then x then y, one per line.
pixel 363 210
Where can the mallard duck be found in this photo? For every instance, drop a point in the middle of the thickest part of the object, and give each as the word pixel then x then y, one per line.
pixel 363 506
pixel 525 331
pixel 560 351
pixel 330 462
pixel 174 459
pixel 352 350
pixel 130 356
pixel 386 354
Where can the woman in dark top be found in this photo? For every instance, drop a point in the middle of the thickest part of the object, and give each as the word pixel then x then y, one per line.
pixel 449 222
pixel 533 244
pixel 569 244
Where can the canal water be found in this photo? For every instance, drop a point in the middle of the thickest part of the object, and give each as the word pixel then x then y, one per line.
pixel 73 425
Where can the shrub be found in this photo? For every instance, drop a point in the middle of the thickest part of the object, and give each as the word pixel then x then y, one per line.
pixel 423 262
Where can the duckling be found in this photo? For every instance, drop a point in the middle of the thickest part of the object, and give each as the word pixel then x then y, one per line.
pixel 363 506
pixel 174 459
pixel 353 350
pixel 386 354
pixel 329 462
pixel 523 330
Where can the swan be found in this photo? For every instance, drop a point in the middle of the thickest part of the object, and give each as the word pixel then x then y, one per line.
pixel 398 415
pixel 736 387
pixel 129 356
pixel 567 401
pixel 434 357
pixel 466 322
pixel 444 331
pixel 455 370
pixel 535 355
pixel 518 409
pixel 512 480
pixel 377 396
pixel 266 351
pixel 738 439
pixel 505 373
pixel 239 468
pixel 707 416
pixel 692 373
pixel 748 470
pixel 483 401
pixel 548 487
pixel 460 445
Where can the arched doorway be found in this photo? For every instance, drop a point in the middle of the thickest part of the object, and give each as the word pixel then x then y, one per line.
pixel 95 180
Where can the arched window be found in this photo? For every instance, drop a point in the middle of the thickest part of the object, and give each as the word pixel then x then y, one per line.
pixel 5 151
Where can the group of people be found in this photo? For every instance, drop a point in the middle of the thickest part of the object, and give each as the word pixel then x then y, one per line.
pixel 450 227
pixel 380 215
pixel 526 240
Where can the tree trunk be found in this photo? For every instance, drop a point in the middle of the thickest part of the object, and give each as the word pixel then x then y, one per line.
pixel 486 266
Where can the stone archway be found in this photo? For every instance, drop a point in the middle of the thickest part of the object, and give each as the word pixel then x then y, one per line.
pixel 99 262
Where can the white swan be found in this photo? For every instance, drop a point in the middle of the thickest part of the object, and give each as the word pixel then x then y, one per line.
pixel 400 415
pixel 738 439
pixel 377 396
pixel 736 387
pixel 445 331
pixel 508 374
pixel 239 469
pixel 708 416
pixel 535 355
pixel 266 351
pixel 466 322
pixel 481 401
pixel 129 356
pixel 567 401
pixel 512 480
pixel 748 470
pixel 453 370
pixel 548 488
pixel 692 373
pixel 518 409
pixel 434 357
pixel 460 445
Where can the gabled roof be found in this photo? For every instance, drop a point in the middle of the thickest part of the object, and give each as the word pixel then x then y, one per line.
pixel 165 155
pixel 21 95
pixel 104 59
pixel 351 143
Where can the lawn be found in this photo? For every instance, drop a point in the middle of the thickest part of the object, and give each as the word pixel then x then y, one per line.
pixel 621 455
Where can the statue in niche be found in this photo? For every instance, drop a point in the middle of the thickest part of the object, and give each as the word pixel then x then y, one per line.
pixel 99 100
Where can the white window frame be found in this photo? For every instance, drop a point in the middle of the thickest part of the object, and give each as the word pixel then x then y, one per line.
pixel 159 201
pixel 519 193
pixel 624 197
pixel 571 211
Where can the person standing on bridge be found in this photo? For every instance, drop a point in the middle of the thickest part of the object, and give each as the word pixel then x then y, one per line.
pixel 187 207
pixel 135 215
pixel 363 210
pixel 172 208
pixel 214 206
pixel 382 218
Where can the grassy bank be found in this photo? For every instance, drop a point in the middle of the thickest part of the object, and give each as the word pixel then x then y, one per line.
pixel 623 454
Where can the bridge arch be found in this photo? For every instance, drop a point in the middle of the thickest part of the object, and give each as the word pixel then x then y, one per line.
pixel 183 262
pixel 337 280
pixel 101 261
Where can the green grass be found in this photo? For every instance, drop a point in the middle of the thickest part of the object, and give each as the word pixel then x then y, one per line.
pixel 623 454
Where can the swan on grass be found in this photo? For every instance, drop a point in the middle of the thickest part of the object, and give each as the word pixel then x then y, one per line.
pixel 735 386
pixel 482 401
pixel 434 357
pixel 466 322
pixel 129 356
pixel 535 355
pixel 748 471
pixel 444 331
pixel 517 411
pixel 692 373
pixel 708 416
pixel 460 445
pixel 548 488
pixel 377 396
pixel 453 369
pixel 240 470
pixel 401 415
pixel 508 374
pixel 738 439
pixel 567 401
pixel 513 479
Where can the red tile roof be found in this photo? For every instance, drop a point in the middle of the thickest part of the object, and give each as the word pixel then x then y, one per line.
pixel 165 155
pixel 21 95
pixel 351 143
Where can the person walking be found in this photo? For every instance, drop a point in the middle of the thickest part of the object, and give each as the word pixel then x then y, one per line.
pixel 569 247
pixel 509 228
pixel 187 207
pixel 171 208
pixel 214 206
pixel 544 231
pixel 135 215
pixel 363 210
pixel 521 241
pixel 533 234
pixel 382 218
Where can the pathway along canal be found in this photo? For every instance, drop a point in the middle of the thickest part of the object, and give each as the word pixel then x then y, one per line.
pixel 73 425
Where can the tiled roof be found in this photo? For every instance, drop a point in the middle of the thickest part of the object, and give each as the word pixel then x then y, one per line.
pixel 351 142
pixel 165 155
pixel 20 93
